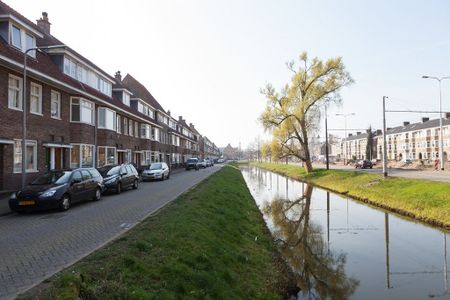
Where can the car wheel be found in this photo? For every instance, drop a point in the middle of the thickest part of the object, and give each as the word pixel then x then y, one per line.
pixel 98 194
pixel 135 184
pixel 65 203
pixel 118 188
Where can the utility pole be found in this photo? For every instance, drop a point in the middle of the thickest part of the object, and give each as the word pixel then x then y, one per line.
pixel 385 174
pixel 326 139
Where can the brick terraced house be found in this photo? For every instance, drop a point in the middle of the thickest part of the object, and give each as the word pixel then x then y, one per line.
pixel 77 114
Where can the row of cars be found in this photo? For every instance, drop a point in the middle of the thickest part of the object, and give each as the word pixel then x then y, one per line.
pixel 62 188
pixel 197 163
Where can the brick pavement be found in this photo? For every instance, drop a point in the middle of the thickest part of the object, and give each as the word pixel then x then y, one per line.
pixel 35 246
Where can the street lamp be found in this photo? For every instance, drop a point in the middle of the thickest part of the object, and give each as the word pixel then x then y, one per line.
pixel 384 138
pixel 441 136
pixel 345 133
pixel 24 107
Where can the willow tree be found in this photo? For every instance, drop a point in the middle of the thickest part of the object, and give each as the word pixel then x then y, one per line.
pixel 293 113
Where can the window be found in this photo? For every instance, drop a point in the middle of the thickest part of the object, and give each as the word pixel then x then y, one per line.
pixel 16 37
pixel 82 111
pixel 130 127
pixel 86 175
pixel 55 109
pixel 136 129
pixel 118 124
pixel 15 92
pixel 35 98
pixel 30 42
pixel 81 155
pixel 125 126
pixel 106 118
pixel 126 98
pixel 106 156
pixel 31 156
pixel 145 131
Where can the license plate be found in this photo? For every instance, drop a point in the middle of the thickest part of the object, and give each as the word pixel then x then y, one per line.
pixel 26 202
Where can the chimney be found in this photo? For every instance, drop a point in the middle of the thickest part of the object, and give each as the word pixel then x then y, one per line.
pixel 358 132
pixel 180 118
pixel 349 135
pixel 447 115
pixel 379 131
pixel 168 112
pixel 425 120
pixel 405 123
pixel 118 76
pixel 43 23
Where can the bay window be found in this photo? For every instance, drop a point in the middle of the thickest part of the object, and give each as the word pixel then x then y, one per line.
pixel 15 92
pixel 125 126
pixel 31 156
pixel 81 155
pixel 126 98
pixel 106 156
pixel 35 98
pixel 136 129
pixel 81 111
pixel 106 118
pixel 145 131
pixel 130 127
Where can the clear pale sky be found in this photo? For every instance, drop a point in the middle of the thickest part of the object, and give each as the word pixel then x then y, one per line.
pixel 207 60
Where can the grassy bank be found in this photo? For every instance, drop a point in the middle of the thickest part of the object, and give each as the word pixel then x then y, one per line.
pixel 210 243
pixel 424 200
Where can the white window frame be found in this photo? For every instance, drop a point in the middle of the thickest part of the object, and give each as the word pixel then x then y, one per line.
pixel 80 101
pixel 114 127
pixel 80 165
pixel 32 143
pixel 38 96
pixel 19 89
pixel 126 98
pixel 118 124
pixel 55 100
pixel 106 156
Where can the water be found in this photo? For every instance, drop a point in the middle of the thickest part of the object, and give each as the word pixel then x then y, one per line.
pixel 339 248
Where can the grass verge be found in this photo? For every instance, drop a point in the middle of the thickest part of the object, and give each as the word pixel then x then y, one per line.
pixel 423 200
pixel 210 243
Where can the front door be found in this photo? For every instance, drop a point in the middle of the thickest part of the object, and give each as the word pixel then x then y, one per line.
pixel 120 157
pixel 59 158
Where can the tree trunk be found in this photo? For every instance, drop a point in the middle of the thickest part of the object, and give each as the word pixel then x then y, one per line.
pixel 308 166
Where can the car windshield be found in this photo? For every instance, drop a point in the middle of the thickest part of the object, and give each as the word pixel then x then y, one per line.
pixel 59 177
pixel 155 167
pixel 109 170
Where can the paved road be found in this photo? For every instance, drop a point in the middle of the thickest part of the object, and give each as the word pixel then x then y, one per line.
pixel 443 176
pixel 35 246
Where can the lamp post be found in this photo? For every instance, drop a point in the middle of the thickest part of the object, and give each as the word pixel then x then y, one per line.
pixel 384 138
pixel 326 139
pixel 441 136
pixel 24 108
pixel 345 133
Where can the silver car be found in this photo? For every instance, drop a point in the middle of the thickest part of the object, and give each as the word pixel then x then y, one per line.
pixel 156 171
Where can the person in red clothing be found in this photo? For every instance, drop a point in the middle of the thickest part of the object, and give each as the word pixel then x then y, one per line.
pixel 436 163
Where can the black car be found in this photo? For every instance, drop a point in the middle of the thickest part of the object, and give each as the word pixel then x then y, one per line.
pixel 58 189
pixel 191 164
pixel 119 177
pixel 364 164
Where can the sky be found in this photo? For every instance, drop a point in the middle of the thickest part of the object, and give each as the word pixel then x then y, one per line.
pixel 207 60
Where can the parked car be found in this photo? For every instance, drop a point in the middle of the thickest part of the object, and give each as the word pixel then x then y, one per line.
pixel 220 160
pixel 191 164
pixel 156 171
pixel 364 164
pixel 58 189
pixel 119 177
pixel 207 162
pixel 201 163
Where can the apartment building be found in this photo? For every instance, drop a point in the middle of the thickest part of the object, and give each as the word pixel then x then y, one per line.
pixel 77 114
pixel 412 141
pixel 416 141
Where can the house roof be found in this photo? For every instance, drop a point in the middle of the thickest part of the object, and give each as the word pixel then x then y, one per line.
pixel 140 91
pixel 418 126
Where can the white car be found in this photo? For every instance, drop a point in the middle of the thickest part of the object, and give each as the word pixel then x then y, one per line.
pixel 156 171
pixel 201 163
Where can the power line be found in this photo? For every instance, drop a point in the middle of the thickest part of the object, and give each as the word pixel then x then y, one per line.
pixel 413 111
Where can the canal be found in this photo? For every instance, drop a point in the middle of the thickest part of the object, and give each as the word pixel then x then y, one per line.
pixel 339 248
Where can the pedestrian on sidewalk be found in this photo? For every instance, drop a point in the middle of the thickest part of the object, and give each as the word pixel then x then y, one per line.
pixel 436 163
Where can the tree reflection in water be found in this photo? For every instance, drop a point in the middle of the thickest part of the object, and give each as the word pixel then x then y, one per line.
pixel 319 273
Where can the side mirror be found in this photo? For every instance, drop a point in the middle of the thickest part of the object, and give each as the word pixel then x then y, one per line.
pixel 123 173
pixel 75 181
